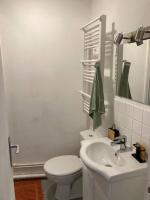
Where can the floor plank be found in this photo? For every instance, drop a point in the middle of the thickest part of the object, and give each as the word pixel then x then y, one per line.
pixel 28 190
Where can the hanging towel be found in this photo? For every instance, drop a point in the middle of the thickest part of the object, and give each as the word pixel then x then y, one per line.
pixel 97 107
pixel 124 89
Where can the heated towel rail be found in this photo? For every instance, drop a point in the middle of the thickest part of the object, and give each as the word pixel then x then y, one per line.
pixel 97 46
pixel 94 50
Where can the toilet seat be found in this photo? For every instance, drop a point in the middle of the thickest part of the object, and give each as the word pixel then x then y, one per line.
pixel 63 165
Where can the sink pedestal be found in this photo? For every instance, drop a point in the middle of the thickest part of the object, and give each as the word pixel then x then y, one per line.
pixel 96 187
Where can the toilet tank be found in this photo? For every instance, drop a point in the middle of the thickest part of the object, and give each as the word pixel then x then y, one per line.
pixel 89 134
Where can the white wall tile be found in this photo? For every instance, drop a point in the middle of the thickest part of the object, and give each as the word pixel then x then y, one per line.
pixel 137 113
pixel 125 121
pixel 125 131
pixel 117 124
pixel 145 131
pixel 146 117
pixel 129 109
pixel 145 143
pixel 133 119
pixel 121 106
pixel 116 111
pixel 135 138
pixel 137 127
pixel 116 106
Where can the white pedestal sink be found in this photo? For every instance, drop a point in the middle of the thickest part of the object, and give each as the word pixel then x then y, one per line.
pixel 107 176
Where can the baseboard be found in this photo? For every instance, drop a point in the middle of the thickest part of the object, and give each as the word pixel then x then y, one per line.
pixel 29 170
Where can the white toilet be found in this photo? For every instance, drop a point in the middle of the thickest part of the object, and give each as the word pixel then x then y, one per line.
pixel 63 170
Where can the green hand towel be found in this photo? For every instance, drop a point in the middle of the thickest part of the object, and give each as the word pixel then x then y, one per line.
pixel 124 89
pixel 97 107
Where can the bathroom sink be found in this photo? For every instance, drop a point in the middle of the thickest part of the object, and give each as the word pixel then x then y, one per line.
pixel 99 156
pixel 103 154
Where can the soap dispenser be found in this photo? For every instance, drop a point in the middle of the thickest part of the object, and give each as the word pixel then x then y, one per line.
pixel 140 154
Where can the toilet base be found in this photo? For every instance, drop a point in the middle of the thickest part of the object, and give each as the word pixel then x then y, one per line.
pixel 71 191
pixel 63 192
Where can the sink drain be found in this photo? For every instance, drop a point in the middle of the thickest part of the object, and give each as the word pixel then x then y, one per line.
pixel 108 165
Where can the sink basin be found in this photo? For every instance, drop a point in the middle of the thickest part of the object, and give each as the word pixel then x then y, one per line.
pixel 103 154
pixel 99 156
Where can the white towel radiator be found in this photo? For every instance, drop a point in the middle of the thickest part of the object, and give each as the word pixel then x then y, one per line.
pixel 94 50
pixel 97 46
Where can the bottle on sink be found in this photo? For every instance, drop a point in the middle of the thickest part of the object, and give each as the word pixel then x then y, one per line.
pixel 113 132
pixel 141 154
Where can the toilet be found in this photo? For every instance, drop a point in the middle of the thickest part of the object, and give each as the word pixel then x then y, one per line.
pixel 63 170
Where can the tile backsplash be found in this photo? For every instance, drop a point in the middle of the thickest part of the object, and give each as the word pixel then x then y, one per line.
pixel 133 120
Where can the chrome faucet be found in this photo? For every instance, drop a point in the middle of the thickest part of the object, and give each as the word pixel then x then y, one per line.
pixel 122 140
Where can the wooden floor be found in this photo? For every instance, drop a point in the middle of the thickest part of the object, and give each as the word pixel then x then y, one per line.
pixel 28 190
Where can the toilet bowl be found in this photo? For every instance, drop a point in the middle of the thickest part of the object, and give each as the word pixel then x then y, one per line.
pixel 63 170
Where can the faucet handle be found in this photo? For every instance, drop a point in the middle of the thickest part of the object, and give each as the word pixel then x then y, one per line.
pixel 121 137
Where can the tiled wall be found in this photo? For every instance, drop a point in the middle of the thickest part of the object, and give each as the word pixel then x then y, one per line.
pixel 133 120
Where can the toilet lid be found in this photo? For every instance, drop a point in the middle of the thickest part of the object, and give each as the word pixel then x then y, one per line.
pixel 63 165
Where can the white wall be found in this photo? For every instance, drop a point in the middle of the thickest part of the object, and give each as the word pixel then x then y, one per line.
pixel 128 15
pixel 6 180
pixel 41 47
